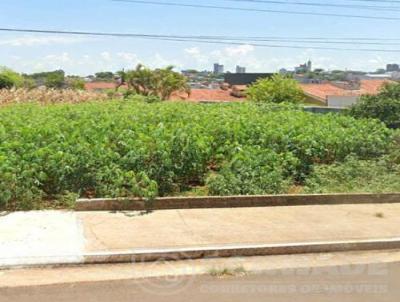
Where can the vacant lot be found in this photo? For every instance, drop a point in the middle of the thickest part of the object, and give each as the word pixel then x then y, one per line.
pixel 51 154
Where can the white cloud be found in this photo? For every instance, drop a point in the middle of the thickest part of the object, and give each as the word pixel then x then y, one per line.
pixel 255 59
pixel 241 50
pixel 159 60
pixel 61 58
pixel 129 58
pixel 192 51
pixel 105 55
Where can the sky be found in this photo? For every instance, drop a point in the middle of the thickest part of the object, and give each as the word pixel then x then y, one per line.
pixel 84 55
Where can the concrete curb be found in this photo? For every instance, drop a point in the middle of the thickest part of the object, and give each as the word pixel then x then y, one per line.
pixel 241 251
pixel 169 203
pixel 174 254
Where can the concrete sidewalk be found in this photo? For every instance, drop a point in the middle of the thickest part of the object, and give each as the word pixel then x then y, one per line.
pixel 47 237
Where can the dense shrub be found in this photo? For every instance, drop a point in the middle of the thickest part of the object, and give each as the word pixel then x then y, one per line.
pixel 278 89
pixel 50 79
pixel 76 83
pixel 253 171
pixel 10 79
pixel 55 80
pixel 5 82
pixel 159 83
pixel 132 148
pixel 384 106
pixel 354 175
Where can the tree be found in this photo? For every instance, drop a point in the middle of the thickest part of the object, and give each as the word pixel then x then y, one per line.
pixel 51 79
pixel 277 89
pixel 5 82
pixel 104 76
pixel 384 106
pixel 55 79
pixel 10 78
pixel 76 83
pixel 159 82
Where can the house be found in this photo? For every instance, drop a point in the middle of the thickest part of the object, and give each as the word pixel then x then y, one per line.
pixel 340 94
pixel 244 78
pixel 206 95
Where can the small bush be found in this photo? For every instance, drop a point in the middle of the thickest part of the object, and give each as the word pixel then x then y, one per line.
pixel 278 89
pixel 77 84
pixel 55 79
pixel 355 175
pixel 384 106
pixel 253 171
pixel 10 79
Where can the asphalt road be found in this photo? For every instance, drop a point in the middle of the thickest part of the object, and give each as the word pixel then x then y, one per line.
pixel 340 283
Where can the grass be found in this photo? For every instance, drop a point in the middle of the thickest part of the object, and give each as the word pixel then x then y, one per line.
pixel 356 176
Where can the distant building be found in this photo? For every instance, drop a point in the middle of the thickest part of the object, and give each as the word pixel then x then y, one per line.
pixel 375 76
pixel 283 71
pixel 244 78
pixel 392 67
pixel 303 68
pixel 396 75
pixel 240 69
pixel 218 68
pixel 341 94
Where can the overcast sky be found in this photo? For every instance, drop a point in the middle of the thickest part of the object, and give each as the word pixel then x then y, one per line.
pixel 85 55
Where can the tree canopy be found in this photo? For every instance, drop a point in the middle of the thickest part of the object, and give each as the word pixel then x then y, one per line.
pixel 384 106
pixel 10 78
pixel 159 82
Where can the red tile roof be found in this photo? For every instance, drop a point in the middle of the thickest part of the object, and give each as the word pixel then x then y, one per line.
pixel 372 86
pixel 322 91
pixel 214 95
pixel 100 85
pixel 197 95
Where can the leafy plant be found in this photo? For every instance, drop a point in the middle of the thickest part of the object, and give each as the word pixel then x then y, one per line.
pixel 384 106
pixel 135 148
pixel 76 84
pixel 10 79
pixel 55 80
pixel 355 175
pixel 160 83
pixel 277 89
pixel 50 79
pixel 253 171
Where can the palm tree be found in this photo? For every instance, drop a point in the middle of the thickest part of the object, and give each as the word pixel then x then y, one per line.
pixel 159 82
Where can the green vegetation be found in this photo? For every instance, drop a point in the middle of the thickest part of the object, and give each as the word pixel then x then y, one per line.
pixel 107 76
pixel 51 79
pixel 10 79
pixel 355 175
pixel 160 83
pixel 384 106
pixel 278 89
pixel 133 148
pixel 252 171
pixel 76 83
